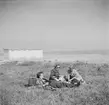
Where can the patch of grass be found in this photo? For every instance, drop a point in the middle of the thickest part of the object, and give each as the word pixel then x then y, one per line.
pixel 95 92
pixel 38 96
pixel 5 97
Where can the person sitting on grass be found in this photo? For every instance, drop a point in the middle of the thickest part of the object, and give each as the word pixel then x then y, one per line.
pixel 73 74
pixel 41 80
pixel 54 77
pixel 57 80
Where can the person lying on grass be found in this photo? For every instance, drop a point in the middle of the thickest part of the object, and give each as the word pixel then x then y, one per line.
pixel 41 80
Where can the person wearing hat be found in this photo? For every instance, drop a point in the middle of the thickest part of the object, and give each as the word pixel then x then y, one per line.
pixel 54 77
pixel 56 80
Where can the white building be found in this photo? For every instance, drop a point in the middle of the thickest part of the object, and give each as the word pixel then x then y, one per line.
pixel 23 54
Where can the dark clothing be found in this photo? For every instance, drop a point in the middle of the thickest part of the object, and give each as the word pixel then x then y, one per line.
pixel 66 79
pixel 75 83
pixel 55 84
pixel 58 84
pixel 71 76
pixel 54 73
pixel 46 80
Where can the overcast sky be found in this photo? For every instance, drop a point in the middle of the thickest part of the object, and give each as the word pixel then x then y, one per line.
pixel 54 24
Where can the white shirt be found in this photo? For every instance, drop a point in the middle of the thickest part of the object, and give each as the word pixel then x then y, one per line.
pixel 77 75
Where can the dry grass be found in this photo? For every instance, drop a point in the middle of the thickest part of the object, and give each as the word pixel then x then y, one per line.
pixel 12 91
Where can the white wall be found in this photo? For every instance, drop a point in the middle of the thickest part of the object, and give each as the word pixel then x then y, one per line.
pixel 25 54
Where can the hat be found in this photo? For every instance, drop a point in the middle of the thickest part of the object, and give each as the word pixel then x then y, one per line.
pixel 56 66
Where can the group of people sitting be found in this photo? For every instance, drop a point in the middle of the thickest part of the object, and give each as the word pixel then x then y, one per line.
pixel 73 79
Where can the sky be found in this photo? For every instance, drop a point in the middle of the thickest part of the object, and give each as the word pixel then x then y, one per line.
pixel 54 24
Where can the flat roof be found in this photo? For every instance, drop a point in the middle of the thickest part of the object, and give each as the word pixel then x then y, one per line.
pixel 22 49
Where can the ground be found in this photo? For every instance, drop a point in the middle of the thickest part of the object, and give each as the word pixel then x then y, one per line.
pixel 13 77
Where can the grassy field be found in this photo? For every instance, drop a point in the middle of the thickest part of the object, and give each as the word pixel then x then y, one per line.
pixel 13 77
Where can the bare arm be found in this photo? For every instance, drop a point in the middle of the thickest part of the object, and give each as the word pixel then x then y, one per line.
pixel 55 78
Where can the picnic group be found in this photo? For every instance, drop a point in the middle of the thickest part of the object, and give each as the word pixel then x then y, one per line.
pixel 55 80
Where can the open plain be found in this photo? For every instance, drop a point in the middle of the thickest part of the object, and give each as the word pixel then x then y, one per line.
pixel 13 76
